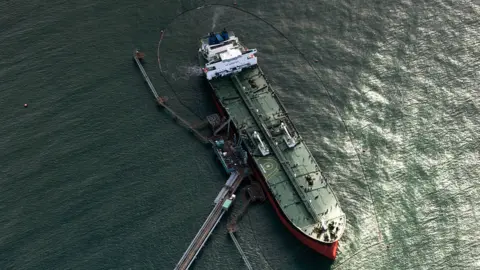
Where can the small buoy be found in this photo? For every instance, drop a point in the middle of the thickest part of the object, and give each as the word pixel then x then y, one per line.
pixel 25 105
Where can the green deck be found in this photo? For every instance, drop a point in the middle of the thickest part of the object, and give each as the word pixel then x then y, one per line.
pixel 285 169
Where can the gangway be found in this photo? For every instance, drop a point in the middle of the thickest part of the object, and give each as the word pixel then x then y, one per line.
pixel 226 188
pixel 208 226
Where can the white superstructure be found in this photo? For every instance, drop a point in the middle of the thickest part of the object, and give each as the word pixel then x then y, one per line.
pixel 225 55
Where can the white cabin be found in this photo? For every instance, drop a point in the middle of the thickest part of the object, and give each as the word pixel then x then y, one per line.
pixel 224 55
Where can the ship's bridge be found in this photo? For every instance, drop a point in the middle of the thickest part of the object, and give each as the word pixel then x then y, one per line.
pixel 224 55
pixel 230 54
pixel 215 44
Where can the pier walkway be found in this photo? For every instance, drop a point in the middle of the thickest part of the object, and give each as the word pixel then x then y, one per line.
pixel 137 56
pixel 221 202
pixel 209 224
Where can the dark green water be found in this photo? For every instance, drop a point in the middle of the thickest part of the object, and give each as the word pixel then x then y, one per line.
pixel 94 176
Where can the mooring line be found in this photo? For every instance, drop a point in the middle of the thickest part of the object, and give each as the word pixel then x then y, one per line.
pixel 168 82
pixel 158 50
pixel 316 74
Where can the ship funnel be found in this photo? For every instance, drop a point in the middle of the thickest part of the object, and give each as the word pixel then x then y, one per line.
pixel 212 39
pixel 289 140
pixel 225 34
pixel 261 146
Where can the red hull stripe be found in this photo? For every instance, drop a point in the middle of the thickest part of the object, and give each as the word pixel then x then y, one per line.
pixel 327 250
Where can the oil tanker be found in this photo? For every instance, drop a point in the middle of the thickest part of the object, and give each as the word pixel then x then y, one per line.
pixel 277 154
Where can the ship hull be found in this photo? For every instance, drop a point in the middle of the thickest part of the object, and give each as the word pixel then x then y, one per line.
pixel 327 250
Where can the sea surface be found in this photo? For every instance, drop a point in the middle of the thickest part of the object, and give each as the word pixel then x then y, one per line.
pixel 94 176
